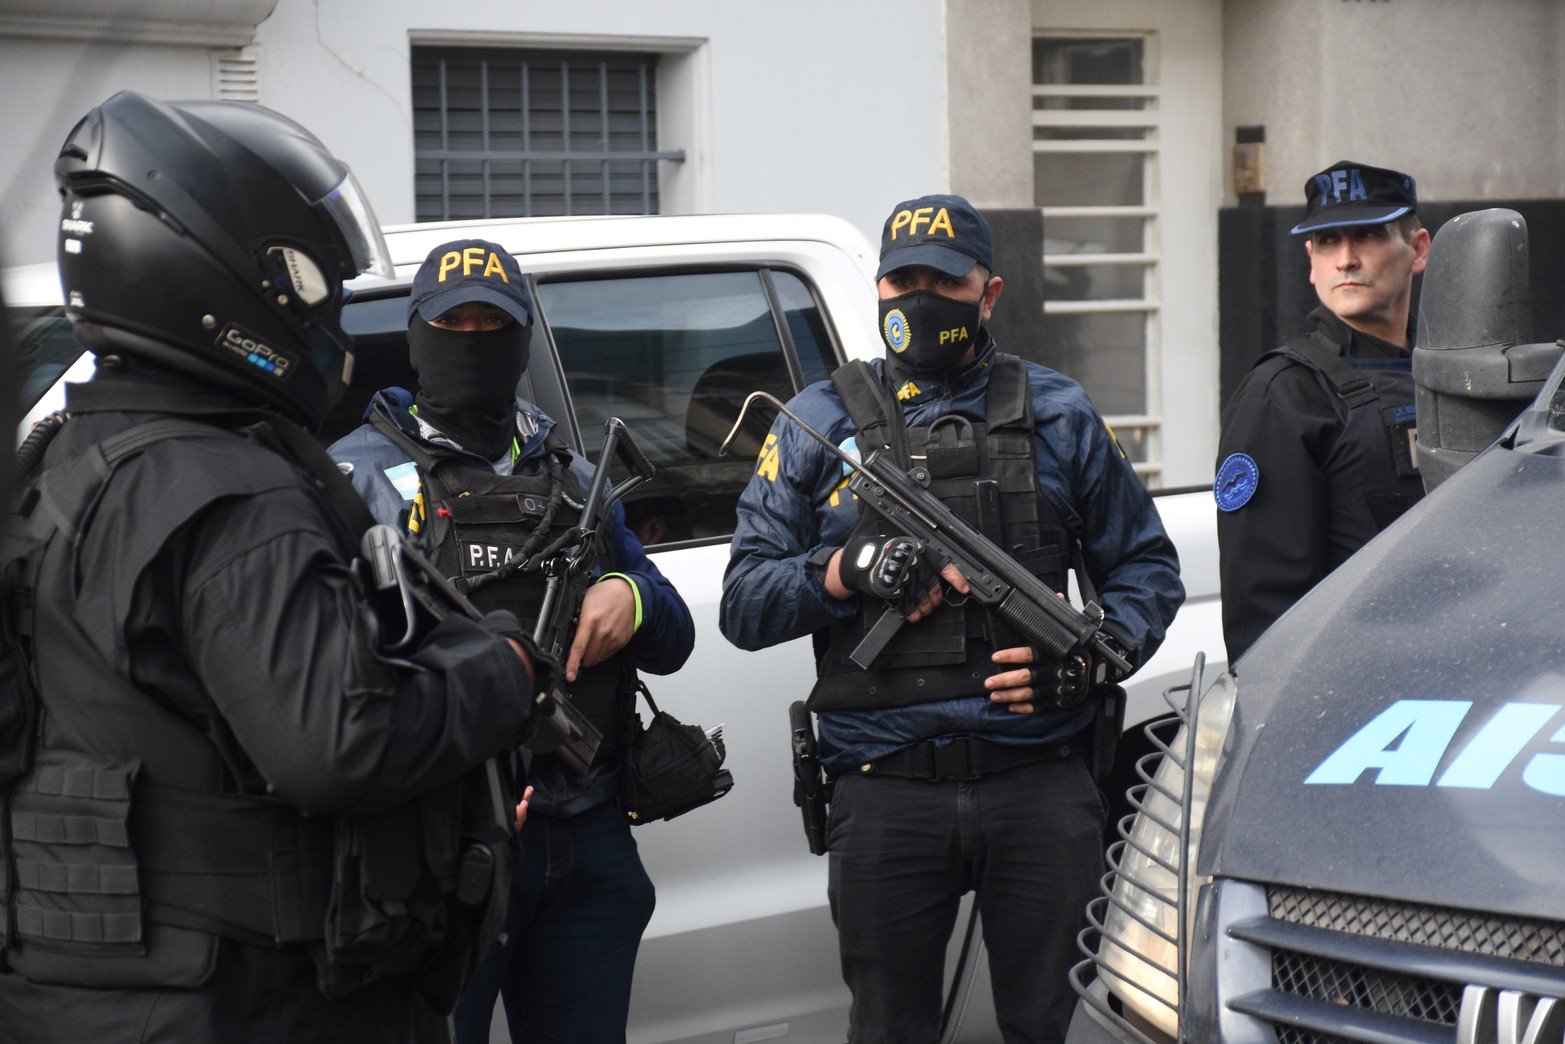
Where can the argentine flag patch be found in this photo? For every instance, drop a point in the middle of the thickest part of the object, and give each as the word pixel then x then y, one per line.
pixel 405 478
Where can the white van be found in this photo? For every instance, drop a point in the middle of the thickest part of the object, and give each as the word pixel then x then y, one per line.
pixel 668 323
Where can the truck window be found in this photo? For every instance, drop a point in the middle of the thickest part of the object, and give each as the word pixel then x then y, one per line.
pixel 674 357
pixel 45 348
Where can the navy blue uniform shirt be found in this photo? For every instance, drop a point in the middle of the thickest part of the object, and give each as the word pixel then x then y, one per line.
pixel 797 502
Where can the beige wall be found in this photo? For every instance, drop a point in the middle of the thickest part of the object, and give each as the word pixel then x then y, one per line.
pixel 1465 96
pixel 989 72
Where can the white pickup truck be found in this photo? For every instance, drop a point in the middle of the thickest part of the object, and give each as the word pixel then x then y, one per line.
pixel 668 323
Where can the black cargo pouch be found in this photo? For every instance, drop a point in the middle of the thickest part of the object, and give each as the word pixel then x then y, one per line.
pixel 76 887
pixel 670 768
pixel 1108 722
pixel 419 892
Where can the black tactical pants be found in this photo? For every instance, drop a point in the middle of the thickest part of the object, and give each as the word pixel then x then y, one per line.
pixel 1027 840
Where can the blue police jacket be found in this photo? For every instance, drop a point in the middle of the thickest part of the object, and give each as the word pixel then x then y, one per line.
pixel 661 644
pixel 797 503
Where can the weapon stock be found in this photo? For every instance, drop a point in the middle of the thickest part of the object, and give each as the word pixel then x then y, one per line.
pixel 1014 595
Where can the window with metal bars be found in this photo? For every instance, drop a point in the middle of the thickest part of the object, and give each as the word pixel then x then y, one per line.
pixel 1096 124
pixel 524 133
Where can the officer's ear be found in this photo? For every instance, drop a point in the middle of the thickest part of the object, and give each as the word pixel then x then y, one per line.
pixel 991 294
pixel 1419 241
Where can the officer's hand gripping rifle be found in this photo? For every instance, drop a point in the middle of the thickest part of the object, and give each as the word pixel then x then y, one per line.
pixel 568 562
pixel 402 580
pixel 1015 596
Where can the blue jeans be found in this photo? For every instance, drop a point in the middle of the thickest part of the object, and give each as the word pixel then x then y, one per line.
pixel 579 903
pixel 1028 841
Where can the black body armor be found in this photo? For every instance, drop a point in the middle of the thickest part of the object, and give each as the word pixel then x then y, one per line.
pixel 477 521
pixel 984 470
pixel 127 854
pixel 1372 470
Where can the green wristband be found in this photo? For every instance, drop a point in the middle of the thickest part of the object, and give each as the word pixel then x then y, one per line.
pixel 635 592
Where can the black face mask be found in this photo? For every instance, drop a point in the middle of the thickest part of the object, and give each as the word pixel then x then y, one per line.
pixel 926 333
pixel 467 382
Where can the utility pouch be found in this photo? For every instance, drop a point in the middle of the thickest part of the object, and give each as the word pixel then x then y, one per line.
pixel 1108 721
pixel 419 892
pixel 811 788
pixel 670 767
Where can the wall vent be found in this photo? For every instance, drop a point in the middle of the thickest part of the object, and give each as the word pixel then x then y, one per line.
pixel 234 75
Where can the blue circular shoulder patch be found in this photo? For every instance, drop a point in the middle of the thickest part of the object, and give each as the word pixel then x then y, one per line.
pixel 1236 481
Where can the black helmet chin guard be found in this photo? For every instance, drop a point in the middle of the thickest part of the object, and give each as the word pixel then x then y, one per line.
pixel 214 238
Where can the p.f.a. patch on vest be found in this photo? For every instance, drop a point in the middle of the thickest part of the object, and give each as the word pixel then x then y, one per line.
pixel 480 557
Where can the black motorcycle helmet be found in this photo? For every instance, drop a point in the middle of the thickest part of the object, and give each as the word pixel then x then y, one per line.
pixel 213 238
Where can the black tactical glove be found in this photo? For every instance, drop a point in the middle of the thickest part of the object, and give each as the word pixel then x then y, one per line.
pixel 897 569
pixel 1064 683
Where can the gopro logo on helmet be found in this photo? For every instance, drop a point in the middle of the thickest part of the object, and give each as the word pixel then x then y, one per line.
pixel 253 351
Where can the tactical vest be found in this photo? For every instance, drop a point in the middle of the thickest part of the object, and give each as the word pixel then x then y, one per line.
pixel 1372 470
pixel 477 521
pixel 985 471
pixel 126 859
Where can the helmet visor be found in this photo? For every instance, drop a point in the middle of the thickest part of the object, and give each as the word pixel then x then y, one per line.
pixel 349 207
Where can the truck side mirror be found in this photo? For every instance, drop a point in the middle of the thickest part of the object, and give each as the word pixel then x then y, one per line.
pixel 1473 366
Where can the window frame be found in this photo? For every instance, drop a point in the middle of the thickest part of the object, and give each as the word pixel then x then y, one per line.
pixel 832 350
pixel 650 156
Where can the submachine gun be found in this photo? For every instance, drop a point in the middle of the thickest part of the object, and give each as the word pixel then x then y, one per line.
pixel 1019 599
pixel 1016 597
pixel 398 573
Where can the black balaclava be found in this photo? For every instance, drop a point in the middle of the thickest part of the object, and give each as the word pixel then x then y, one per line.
pixel 926 333
pixel 467 382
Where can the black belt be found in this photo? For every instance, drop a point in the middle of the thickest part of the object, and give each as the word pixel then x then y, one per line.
pixel 966 758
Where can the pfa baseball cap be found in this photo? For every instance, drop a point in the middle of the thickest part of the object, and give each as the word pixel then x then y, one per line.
pixel 1349 193
pixel 468 270
pixel 942 232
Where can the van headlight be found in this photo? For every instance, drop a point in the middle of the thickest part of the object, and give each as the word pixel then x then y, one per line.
pixel 1151 902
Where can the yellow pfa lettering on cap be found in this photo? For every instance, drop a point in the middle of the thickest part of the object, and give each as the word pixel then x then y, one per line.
pixel 910 220
pixel 471 258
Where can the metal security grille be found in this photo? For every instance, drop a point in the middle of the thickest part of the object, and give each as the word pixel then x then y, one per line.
pixel 1353 986
pixel 1096 137
pixel 520 133
pixel 1491 935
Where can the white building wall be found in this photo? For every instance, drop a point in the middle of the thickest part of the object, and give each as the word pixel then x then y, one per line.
pixel 1466 97
pixel 809 106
